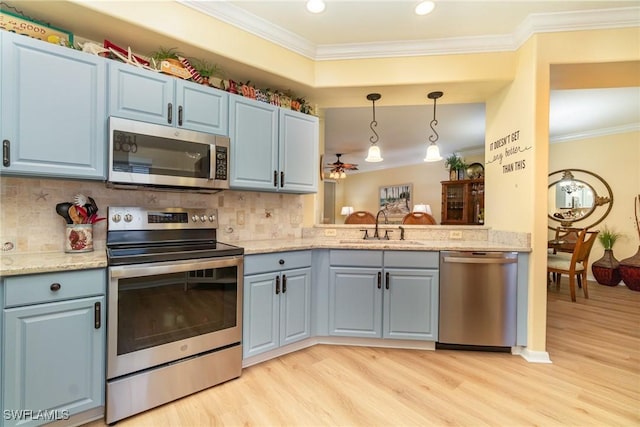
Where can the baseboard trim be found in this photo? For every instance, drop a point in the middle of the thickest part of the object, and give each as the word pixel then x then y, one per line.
pixel 531 355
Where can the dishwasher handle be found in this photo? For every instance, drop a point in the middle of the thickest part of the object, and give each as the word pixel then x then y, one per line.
pixel 479 260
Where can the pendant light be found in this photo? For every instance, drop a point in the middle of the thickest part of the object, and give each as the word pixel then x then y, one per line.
pixel 374 150
pixel 433 152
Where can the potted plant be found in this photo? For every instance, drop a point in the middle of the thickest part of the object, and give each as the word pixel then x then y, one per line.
pixel 163 54
pixel 208 71
pixel 630 267
pixel 455 164
pixel 606 270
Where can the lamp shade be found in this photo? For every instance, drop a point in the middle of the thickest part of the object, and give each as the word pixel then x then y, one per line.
pixel 374 154
pixel 346 210
pixel 422 208
pixel 433 153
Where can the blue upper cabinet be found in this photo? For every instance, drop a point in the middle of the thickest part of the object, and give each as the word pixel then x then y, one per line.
pixel 254 144
pixel 298 152
pixel 148 96
pixel 52 110
pixel 273 149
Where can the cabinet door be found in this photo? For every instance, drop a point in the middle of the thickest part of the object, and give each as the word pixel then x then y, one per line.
pixel 355 302
pixel 295 305
pixel 139 94
pixel 453 203
pixel 52 110
pixel 298 152
pixel 202 108
pixel 261 317
pixel 253 129
pixel 410 308
pixel 54 358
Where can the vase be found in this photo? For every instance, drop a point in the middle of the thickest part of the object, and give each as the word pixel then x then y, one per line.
pixel 630 271
pixel 78 238
pixel 606 270
pixel 453 175
pixel 461 173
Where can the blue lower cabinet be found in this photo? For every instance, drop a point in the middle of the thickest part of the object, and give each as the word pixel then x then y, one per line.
pixel 277 304
pixel 53 347
pixel 371 299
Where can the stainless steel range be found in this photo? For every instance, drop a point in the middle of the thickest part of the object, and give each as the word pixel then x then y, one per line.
pixel 174 307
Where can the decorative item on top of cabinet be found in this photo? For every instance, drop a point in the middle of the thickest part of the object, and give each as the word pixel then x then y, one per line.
pixel 463 202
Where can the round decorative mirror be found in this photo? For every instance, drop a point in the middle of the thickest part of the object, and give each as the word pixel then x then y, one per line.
pixel 578 196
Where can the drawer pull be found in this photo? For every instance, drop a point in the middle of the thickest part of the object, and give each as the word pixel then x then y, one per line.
pixel 55 287
pixel 284 283
pixel 277 285
pixel 281 262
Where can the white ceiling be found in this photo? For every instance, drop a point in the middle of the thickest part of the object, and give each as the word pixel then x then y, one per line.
pixel 357 29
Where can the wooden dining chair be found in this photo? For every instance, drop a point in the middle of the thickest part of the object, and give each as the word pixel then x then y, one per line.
pixel 575 266
pixel 360 217
pixel 418 218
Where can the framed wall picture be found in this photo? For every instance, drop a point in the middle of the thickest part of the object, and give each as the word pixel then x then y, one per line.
pixel 396 200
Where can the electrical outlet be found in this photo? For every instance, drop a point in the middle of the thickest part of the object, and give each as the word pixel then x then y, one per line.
pixel 330 232
pixel 455 234
pixel 240 217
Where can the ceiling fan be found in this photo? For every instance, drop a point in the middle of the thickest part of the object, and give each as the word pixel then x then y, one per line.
pixel 337 169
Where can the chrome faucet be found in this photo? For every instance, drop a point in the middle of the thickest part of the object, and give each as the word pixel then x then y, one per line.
pixel 386 221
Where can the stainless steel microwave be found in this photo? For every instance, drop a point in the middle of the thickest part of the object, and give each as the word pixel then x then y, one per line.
pixel 147 154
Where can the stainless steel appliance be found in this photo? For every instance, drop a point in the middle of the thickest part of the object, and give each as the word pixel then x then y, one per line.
pixel 147 154
pixel 174 322
pixel 477 299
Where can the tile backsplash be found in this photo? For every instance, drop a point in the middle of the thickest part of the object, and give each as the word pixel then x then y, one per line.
pixel 29 222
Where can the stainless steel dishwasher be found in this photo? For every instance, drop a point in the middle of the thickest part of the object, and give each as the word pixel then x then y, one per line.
pixel 477 299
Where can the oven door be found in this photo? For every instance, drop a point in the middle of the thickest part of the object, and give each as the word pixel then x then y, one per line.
pixel 167 311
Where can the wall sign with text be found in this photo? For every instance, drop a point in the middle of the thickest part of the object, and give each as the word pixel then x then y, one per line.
pixel 506 152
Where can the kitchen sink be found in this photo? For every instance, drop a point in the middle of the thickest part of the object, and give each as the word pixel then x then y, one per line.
pixel 382 242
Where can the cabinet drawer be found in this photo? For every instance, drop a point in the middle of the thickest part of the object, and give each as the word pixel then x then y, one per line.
pixel 37 288
pixel 355 258
pixel 263 263
pixel 411 259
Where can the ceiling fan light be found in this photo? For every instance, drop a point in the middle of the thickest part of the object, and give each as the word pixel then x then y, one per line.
pixel 343 175
pixel 425 7
pixel 374 154
pixel 315 6
pixel 433 153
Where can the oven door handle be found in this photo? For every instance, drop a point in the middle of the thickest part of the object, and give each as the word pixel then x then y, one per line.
pixel 152 268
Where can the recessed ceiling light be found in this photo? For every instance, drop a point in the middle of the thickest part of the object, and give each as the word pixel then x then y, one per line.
pixel 425 7
pixel 315 6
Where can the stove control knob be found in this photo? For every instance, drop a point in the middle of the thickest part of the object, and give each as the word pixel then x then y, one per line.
pixel 194 218
pixel 128 218
pixel 212 218
pixel 116 218
pixel 203 218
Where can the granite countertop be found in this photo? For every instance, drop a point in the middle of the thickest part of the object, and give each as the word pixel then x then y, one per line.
pixel 13 264
pixel 280 245
pixel 44 262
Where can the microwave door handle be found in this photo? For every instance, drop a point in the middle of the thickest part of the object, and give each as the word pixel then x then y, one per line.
pixel 212 161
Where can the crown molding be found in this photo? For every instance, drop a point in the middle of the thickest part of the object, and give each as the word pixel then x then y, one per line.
pixel 628 128
pixel 535 23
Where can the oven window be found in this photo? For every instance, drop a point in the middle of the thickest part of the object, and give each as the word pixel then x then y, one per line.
pixel 153 155
pixel 160 309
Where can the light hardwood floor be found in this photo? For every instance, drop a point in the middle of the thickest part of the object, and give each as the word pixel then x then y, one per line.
pixel 594 380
